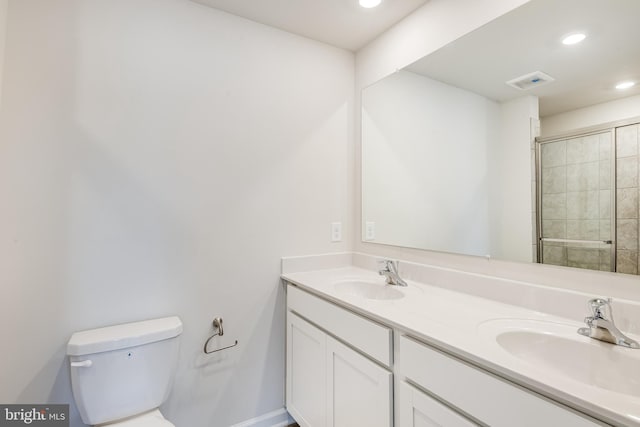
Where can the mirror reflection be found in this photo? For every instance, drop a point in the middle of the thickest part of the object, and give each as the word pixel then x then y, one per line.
pixel 449 143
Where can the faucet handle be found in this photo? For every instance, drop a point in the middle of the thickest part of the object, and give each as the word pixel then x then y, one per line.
pixel 387 265
pixel 596 305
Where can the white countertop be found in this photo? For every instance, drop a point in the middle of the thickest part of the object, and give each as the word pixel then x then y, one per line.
pixel 457 323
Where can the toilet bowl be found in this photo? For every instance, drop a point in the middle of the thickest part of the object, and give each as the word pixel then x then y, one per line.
pixel 121 374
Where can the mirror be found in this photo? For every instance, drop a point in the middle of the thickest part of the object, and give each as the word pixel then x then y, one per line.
pixel 448 159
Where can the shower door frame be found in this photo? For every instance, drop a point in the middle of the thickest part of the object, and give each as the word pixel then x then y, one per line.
pixel 579 133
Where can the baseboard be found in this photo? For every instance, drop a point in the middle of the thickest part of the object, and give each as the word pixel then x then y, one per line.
pixel 278 418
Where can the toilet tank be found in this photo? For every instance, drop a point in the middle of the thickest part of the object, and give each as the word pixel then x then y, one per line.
pixel 123 370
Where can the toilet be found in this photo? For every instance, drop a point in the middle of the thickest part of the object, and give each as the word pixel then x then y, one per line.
pixel 121 374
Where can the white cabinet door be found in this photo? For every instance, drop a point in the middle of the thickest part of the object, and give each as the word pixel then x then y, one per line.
pixel 306 372
pixel 359 392
pixel 417 409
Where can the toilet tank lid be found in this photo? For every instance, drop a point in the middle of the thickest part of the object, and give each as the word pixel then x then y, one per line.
pixel 123 336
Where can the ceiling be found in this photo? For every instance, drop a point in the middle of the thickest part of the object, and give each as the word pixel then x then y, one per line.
pixel 528 39
pixel 341 23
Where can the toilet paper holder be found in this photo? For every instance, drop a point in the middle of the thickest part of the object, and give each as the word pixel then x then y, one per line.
pixel 217 326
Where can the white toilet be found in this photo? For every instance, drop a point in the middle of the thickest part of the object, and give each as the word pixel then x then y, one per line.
pixel 121 374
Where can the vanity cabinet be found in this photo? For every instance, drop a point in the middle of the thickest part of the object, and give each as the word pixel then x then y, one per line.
pixel 330 383
pixel 475 393
pixel 340 373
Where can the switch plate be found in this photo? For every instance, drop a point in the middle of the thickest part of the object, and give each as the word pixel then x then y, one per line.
pixel 336 231
pixel 370 230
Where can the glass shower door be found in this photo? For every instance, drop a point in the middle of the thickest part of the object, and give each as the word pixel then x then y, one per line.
pixel 576 201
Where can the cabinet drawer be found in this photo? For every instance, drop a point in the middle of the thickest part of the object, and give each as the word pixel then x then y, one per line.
pixel 371 338
pixel 479 394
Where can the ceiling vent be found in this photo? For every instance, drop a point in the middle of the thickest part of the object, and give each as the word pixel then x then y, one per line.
pixel 531 80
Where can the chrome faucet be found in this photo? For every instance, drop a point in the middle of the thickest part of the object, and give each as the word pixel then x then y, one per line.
pixel 601 325
pixel 390 271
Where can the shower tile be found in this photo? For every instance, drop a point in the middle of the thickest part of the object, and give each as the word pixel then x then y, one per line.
pixel 581 150
pixel 583 176
pixel 627 203
pixel 605 229
pixel 574 150
pixel 554 228
pixel 605 174
pixel 627 172
pixel 584 258
pixel 554 153
pixel 555 255
pixel 627 141
pixel 554 206
pixel 554 180
pixel 627 234
pixel 605 204
pixel 627 261
pixel 605 146
pixel 583 229
pixel 592 147
pixel 605 259
pixel 583 205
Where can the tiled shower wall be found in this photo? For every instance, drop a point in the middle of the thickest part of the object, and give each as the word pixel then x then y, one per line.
pixel 627 199
pixel 577 202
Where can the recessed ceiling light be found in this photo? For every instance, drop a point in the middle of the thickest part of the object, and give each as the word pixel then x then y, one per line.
pixel 370 3
pixel 625 85
pixel 574 38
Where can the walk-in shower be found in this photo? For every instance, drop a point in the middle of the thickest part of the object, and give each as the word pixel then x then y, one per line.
pixel 587 210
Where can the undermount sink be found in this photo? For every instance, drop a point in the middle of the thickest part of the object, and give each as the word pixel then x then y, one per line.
pixel 559 348
pixel 368 289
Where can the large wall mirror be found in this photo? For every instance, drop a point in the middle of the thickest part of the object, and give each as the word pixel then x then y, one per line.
pixel 449 143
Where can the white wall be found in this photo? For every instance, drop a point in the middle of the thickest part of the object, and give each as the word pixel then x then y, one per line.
pixel 512 198
pixel 620 109
pixel 4 10
pixel 158 157
pixel 446 169
pixel 425 163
